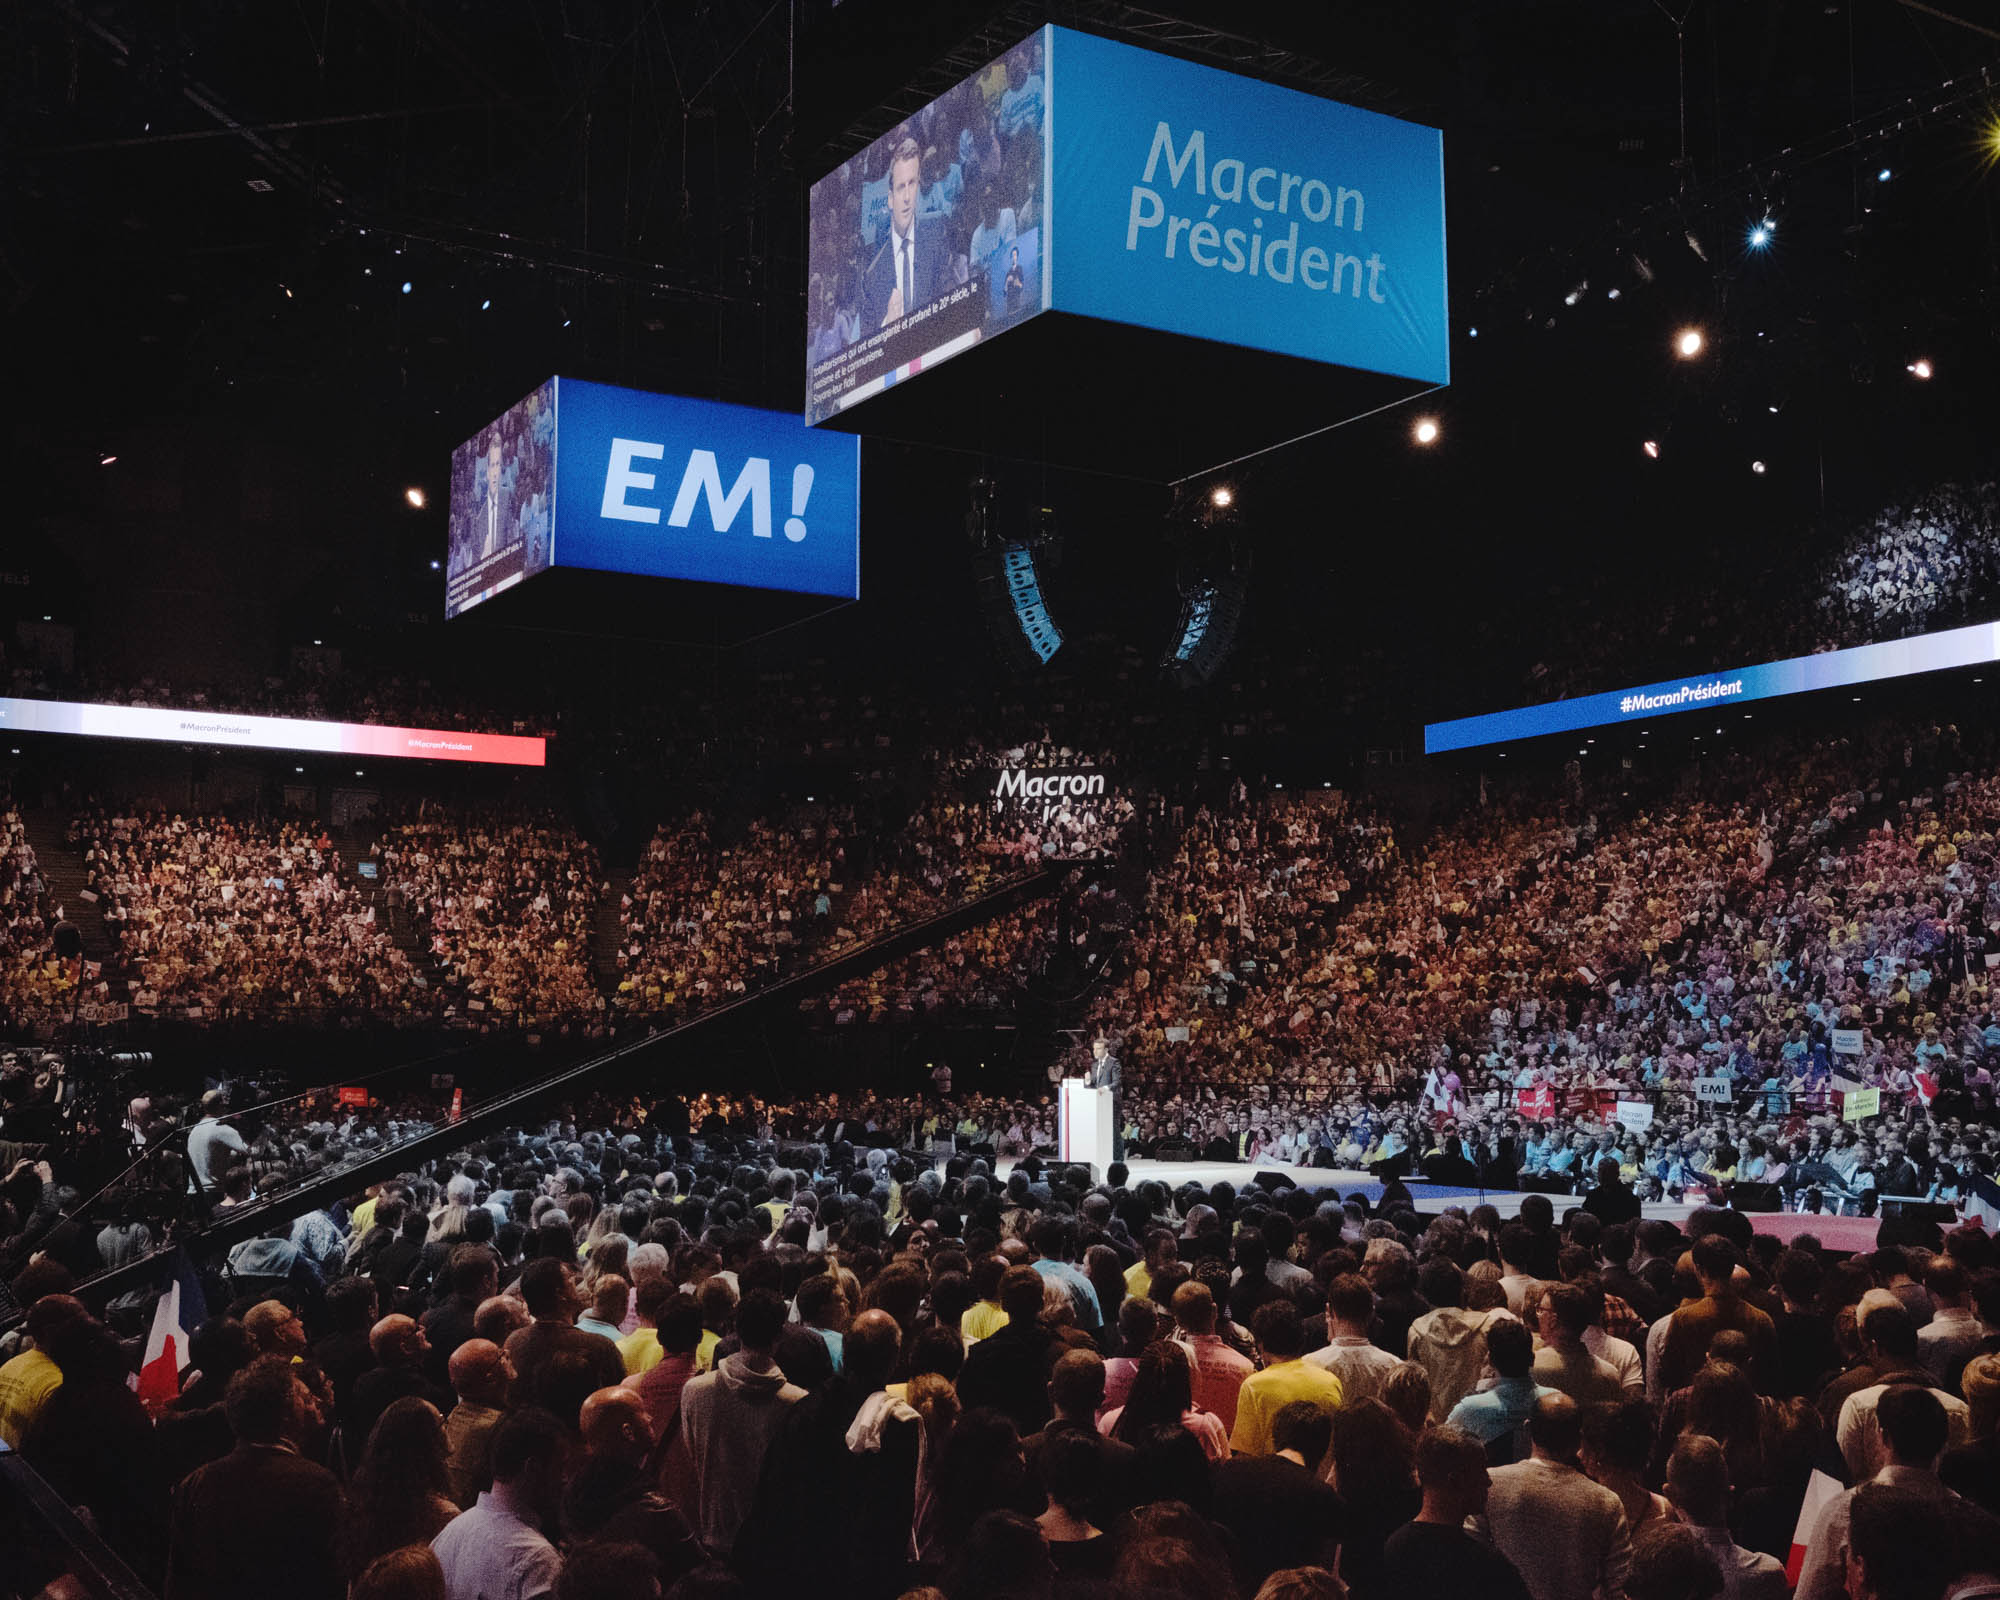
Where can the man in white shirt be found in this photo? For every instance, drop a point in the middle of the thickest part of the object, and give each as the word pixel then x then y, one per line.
pixel 211 1141
pixel 1913 1434
pixel 1889 1336
pixel 1698 1485
pixel 497 1550
pixel 1361 1366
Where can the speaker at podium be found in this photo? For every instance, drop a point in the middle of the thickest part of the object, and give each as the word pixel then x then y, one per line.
pixel 1084 1126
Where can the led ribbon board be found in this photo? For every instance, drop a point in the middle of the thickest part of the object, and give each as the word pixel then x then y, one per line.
pixel 268 733
pixel 1834 669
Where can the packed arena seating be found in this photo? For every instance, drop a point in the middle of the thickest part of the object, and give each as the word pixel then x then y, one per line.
pixel 508 911
pixel 219 918
pixel 31 979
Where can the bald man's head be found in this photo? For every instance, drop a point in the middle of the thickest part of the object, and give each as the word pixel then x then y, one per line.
pixel 868 1352
pixel 613 1424
pixel 480 1372
pixel 398 1341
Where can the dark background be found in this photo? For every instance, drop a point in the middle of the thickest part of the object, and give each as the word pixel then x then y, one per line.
pixel 208 212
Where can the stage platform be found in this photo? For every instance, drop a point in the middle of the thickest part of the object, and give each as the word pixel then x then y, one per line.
pixel 1836 1233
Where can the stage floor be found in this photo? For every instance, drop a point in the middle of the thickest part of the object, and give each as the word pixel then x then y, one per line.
pixel 1836 1233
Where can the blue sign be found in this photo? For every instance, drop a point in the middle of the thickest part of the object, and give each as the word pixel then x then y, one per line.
pixel 1202 203
pixel 664 487
pixel 1977 645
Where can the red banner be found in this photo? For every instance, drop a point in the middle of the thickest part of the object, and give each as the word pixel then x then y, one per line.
pixel 354 1097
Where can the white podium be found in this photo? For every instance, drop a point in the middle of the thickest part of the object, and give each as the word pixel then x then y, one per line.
pixel 1083 1131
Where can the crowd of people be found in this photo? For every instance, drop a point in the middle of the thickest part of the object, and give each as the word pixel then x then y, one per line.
pixel 213 917
pixel 605 1359
pixel 508 912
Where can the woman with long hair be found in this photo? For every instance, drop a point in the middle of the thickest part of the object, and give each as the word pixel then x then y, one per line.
pixel 400 1494
pixel 1163 1396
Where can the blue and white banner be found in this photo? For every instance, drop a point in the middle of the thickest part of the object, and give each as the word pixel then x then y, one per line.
pixel 1202 203
pixel 657 486
pixel 1723 691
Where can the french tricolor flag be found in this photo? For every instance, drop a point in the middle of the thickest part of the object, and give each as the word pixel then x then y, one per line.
pixel 1982 1203
pixel 166 1359
pixel 1821 1492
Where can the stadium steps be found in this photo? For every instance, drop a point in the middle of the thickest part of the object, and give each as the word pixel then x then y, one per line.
pixel 63 871
pixel 606 931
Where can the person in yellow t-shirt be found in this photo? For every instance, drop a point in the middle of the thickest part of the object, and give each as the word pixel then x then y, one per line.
pixel 984 1317
pixel 1162 1250
pixel 27 1381
pixel 1281 1340
pixel 640 1349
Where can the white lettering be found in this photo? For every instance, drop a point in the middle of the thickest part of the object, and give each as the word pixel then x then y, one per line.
pixel 619 476
pixel 704 479
pixel 1325 207
pixel 1234 192
pixel 1340 209
pixel 1256 199
pixel 1195 150
pixel 1147 210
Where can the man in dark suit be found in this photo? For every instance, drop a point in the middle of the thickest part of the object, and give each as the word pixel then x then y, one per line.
pixel 907 273
pixel 262 1516
pixel 1105 1073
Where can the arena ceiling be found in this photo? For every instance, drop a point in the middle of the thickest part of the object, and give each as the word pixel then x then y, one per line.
pixel 212 208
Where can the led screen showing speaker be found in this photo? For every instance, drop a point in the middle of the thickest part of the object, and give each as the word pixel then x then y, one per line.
pixel 585 475
pixel 930 239
pixel 1080 175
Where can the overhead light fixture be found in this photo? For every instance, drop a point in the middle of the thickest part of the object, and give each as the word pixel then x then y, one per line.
pixel 415 496
pixel 1921 368
pixel 407 286
pixel 1222 497
pixel 486 305
pixel 1689 343
pixel 1759 468
pixel 106 460
pixel 1761 233
pixel 1883 176
pixel 1426 430
pixel 1613 292
pixel 1652 449
pixel 435 565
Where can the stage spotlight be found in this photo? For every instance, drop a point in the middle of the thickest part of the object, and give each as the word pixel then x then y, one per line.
pixel 106 460
pixel 1688 343
pixel 1222 497
pixel 1760 233
pixel 435 565
pixel 1426 430
pixel 1921 368
pixel 1694 244
pixel 287 289
pixel 407 286
pixel 1472 333
pixel 1758 467
pixel 1883 176
pixel 486 305
pixel 1613 292
pixel 1652 449
pixel 415 496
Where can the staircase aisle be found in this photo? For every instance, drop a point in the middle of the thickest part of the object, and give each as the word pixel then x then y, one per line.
pixel 63 870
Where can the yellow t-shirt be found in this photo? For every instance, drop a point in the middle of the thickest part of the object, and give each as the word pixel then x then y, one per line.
pixel 704 1353
pixel 26 1383
pixel 1264 1394
pixel 982 1319
pixel 1138 1280
pixel 641 1351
